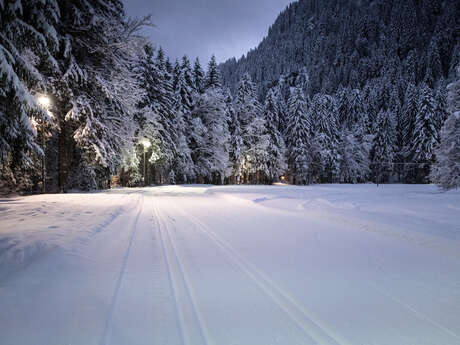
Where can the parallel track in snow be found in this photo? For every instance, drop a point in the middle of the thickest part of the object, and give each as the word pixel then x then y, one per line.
pixel 105 339
pixel 311 328
pixel 191 325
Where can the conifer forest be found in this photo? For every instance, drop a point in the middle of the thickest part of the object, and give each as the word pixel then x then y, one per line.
pixel 338 91
pixel 229 172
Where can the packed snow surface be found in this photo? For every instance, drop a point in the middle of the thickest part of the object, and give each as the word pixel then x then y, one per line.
pixel 248 265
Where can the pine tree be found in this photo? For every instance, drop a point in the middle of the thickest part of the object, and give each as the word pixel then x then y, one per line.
pixel 28 41
pixel 276 151
pixel 298 135
pixel 325 140
pixel 157 104
pixel 249 115
pixel 256 155
pixel 383 150
pixel 98 91
pixel 198 76
pixel 183 87
pixel 236 140
pixel 246 103
pixel 426 136
pixel 446 172
pixel 213 78
pixel 211 156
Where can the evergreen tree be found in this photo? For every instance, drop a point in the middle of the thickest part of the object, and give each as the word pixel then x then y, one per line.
pixel 157 105
pixel 183 87
pixel 236 140
pixel 276 150
pixel 446 172
pixel 256 155
pixel 246 104
pixel 198 76
pixel 28 41
pixel 249 114
pixel 98 91
pixel 211 157
pixel 325 141
pixel 426 136
pixel 383 151
pixel 213 78
pixel 298 135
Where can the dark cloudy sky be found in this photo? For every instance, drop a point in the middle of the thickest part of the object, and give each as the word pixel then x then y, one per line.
pixel 202 27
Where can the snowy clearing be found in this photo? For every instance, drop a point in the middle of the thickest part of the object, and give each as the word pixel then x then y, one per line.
pixel 191 265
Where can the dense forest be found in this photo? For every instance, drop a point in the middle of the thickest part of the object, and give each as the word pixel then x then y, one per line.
pixel 338 92
pixel 373 75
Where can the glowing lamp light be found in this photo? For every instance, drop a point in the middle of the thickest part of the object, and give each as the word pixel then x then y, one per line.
pixel 146 144
pixel 44 101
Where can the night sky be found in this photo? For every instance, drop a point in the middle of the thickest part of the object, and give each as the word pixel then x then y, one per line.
pixel 200 28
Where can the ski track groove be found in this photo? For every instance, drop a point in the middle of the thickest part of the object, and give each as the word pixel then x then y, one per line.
pixel 415 312
pixel 179 320
pixel 109 319
pixel 169 256
pixel 311 328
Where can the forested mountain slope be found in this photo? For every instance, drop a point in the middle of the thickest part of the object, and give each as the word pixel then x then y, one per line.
pixel 373 72
pixel 353 43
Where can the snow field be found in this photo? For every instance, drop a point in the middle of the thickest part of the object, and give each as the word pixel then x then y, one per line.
pixel 339 265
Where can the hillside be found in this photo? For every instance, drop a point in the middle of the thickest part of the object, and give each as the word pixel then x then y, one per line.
pixel 355 43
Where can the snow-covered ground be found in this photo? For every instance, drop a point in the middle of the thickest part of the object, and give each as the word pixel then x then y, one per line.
pixel 248 265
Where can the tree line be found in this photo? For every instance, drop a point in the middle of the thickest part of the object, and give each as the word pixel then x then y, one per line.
pixel 84 96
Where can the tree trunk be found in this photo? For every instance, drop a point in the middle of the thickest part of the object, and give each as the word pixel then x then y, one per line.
pixel 65 151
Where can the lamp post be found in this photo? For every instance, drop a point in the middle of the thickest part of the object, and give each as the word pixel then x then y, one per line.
pixel 146 144
pixel 45 102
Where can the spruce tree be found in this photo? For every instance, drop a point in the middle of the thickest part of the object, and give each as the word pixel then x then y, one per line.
pixel 98 91
pixel 248 111
pixel 211 157
pixel 28 41
pixel 256 155
pixel 236 140
pixel 426 135
pixel 298 136
pixel 198 76
pixel 446 172
pixel 213 78
pixel 325 141
pixel 383 148
pixel 276 151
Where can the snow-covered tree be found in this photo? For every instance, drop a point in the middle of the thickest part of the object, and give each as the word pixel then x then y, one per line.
pixel 446 172
pixel 276 150
pixel 198 76
pixel 255 164
pixel 213 78
pixel 354 149
pixel 28 41
pixel 426 135
pixel 383 150
pixel 298 137
pixel 211 134
pixel 249 114
pixel 98 92
pixel 130 174
pixel 325 140
pixel 236 140
pixel 247 105
pixel 183 86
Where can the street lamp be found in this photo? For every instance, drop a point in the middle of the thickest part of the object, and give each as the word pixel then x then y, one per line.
pixel 45 102
pixel 146 144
